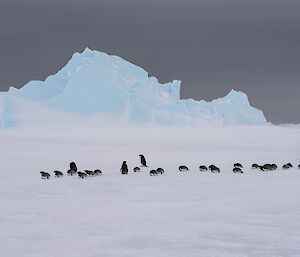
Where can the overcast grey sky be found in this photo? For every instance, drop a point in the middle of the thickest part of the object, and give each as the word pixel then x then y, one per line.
pixel 211 45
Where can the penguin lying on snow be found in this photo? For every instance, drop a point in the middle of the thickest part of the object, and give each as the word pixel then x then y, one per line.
pixel 237 170
pixel 214 169
pixel 136 169
pixel 286 167
pixel 97 172
pixel 58 173
pixel 160 171
pixel 153 173
pixel 45 175
pixel 274 166
pixel 268 166
pixel 299 166
pixel 203 168
pixel 262 168
pixel 81 174
pixel 89 172
pixel 183 168
pixel 255 166
pixel 238 165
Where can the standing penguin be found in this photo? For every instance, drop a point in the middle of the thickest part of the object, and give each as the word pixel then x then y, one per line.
pixel 143 160
pixel 124 168
pixel 73 166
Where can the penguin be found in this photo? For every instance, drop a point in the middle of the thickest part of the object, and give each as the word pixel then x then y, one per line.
pixel 183 168
pixel 81 174
pixel 214 168
pixel 203 168
pixel 237 170
pixel 71 172
pixel 45 175
pixel 58 173
pixel 124 168
pixel 255 166
pixel 262 168
pixel 153 173
pixel 160 170
pixel 274 166
pixel 211 166
pixel 143 160
pixel 267 166
pixel 89 172
pixel 238 165
pixel 97 172
pixel 136 169
pixel 289 164
pixel 73 166
pixel 299 166
pixel 286 167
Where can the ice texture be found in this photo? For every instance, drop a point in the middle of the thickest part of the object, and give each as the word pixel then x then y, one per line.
pixel 112 90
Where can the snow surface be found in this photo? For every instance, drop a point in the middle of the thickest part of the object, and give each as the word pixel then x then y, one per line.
pixel 192 214
pixel 112 91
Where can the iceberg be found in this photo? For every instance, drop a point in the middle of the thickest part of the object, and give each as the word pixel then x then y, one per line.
pixel 104 89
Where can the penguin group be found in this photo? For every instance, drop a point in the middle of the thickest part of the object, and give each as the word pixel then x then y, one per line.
pixel 265 167
pixel 156 172
pixel 212 168
pixel 271 167
pixel 237 168
pixel 153 172
pixel 72 171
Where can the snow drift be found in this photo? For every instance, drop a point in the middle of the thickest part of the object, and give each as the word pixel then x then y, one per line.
pixel 97 88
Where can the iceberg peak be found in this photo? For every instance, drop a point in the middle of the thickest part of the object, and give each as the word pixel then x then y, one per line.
pixel 87 52
pixel 234 98
pixel 236 94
